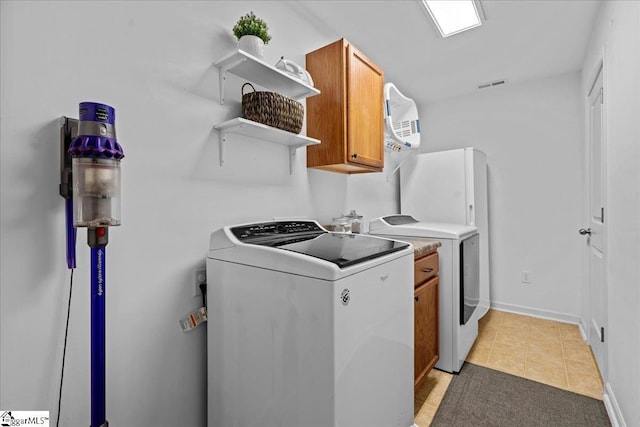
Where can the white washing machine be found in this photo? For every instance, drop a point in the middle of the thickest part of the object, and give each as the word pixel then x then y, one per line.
pixel 459 281
pixel 308 328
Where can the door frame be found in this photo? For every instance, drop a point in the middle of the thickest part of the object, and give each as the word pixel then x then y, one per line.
pixel 600 68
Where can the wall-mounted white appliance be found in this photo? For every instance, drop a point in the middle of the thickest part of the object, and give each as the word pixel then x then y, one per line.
pixel 458 291
pixel 451 186
pixel 401 122
pixel 308 328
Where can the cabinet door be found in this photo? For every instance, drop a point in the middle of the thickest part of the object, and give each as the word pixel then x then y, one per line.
pixel 425 329
pixel 365 133
pixel 326 113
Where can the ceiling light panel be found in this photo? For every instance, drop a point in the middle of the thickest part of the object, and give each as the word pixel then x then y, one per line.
pixel 453 16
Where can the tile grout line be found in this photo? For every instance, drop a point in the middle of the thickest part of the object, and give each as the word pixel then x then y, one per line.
pixel 526 354
pixel 594 364
pixel 486 362
pixel 564 362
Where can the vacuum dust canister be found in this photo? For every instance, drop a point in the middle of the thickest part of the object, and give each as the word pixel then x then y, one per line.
pixel 96 157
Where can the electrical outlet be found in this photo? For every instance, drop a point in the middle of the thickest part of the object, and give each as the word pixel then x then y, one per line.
pixel 200 276
pixel 526 277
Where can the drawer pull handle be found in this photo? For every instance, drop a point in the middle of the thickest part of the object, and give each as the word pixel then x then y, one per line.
pixel 416 298
pixel 427 270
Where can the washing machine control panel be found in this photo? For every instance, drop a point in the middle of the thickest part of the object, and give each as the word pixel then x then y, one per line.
pixel 275 229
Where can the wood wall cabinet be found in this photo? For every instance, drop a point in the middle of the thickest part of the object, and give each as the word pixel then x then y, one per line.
pixel 425 316
pixel 347 117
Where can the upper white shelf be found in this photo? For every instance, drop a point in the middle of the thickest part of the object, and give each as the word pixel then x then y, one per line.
pixel 247 66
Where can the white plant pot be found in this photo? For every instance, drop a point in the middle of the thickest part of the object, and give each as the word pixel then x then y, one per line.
pixel 253 45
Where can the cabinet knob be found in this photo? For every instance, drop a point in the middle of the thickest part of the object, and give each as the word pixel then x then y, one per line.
pixel 354 155
pixel 416 298
pixel 583 231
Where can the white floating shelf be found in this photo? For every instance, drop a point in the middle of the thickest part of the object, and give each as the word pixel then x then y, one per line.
pixel 247 66
pixel 253 129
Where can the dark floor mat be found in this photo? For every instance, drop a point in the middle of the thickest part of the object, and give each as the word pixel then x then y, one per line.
pixel 483 397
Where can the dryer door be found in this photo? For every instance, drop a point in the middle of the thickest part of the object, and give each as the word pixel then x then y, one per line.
pixel 469 277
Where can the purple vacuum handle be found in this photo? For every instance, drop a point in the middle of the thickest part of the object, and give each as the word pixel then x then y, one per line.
pixel 71 235
pixel 98 337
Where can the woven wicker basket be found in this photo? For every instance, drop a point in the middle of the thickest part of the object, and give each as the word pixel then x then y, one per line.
pixel 272 109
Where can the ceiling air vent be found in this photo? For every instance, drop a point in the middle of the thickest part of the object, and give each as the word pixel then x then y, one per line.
pixel 492 84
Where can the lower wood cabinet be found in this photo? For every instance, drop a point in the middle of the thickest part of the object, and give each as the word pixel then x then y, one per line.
pixel 425 320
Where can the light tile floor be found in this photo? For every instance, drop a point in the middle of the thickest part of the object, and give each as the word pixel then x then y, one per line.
pixel 546 351
pixel 429 395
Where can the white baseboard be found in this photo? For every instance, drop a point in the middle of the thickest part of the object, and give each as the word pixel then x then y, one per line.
pixel 583 331
pixel 613 410
pixel 542 314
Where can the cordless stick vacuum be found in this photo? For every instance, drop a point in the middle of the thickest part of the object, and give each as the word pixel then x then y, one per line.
pixel 95 158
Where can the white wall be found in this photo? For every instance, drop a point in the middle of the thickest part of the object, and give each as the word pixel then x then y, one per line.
pixel 531 134
pixel 371 195
pixel 616 40
pixel 152 61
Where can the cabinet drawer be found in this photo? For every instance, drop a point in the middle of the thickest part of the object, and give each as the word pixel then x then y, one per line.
pixel 425 268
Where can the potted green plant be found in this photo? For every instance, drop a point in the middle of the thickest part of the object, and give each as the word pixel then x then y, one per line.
pixel 252 34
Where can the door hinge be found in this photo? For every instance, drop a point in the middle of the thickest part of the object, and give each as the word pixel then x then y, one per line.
pixel 602 215
pixel 601 96
pixel 601 333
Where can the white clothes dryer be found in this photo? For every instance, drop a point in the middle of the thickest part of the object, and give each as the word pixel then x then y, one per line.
pixel 459 281
pixel 308 328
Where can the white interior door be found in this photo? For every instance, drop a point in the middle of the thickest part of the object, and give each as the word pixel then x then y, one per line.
pixel 595 232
